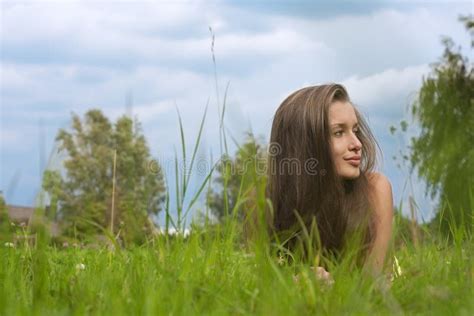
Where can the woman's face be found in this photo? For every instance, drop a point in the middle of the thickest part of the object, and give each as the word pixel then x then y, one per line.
pixel 345 145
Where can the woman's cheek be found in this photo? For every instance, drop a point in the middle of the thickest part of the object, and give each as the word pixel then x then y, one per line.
pixel 338 149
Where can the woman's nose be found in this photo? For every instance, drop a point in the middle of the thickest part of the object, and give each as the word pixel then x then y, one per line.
pixel 355 143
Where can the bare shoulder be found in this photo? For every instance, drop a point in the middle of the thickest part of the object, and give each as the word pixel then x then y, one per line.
pixel 380 192
pixel 377 179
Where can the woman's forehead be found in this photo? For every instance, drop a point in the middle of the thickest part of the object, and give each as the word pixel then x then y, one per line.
pixel 342 112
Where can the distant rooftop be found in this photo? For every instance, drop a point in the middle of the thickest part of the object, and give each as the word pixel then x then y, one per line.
pixel 20 214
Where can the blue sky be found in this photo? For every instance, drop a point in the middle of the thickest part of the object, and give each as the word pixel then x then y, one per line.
pixel 59 57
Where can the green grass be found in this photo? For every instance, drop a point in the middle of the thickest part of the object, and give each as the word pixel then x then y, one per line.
pixel 214 274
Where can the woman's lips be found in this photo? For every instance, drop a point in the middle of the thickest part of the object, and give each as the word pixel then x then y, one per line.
pixel 354 161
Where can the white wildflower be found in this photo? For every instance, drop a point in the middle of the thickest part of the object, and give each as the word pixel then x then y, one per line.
pixel 80 266
pixel 281 260
pixel 9 245
pixel 397 271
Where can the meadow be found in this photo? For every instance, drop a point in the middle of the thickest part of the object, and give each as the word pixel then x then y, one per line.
pixel 214 271
pixel 211 272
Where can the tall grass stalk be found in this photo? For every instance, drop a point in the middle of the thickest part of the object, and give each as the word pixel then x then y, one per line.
pixel 182 180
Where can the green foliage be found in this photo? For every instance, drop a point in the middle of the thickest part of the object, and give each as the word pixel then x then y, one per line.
pixel 210 274
pixel 237 179
pixel 444 152
pixel 84 195
pixel 52 183
pixel 6 229
pixel 3 204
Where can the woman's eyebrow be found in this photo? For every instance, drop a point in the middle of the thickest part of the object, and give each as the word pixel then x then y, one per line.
pixel 344 124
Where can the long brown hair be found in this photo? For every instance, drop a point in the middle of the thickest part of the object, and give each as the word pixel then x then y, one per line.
pixel 300 138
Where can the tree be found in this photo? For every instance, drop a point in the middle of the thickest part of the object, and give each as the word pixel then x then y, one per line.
pixel 444 151
pixel 236 180
pixel 83 197
pixel 6 230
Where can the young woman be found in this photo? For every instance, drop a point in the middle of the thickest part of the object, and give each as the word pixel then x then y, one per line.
pixel 321 170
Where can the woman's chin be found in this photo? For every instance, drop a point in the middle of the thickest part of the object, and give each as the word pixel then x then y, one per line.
pixel 352 174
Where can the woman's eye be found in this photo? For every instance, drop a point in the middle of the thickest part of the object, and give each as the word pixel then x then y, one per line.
pixel 340 133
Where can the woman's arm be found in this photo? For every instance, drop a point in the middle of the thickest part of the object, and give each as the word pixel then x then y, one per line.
pixel 382 202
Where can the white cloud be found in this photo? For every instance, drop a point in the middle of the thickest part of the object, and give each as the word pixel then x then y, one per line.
pixel 391 87
pixel 150 112
pixel 279 41
pixel 364 44
pixel 30 21
pixel 84 31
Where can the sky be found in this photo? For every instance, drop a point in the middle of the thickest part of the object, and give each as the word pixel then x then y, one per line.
pixel 63 57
